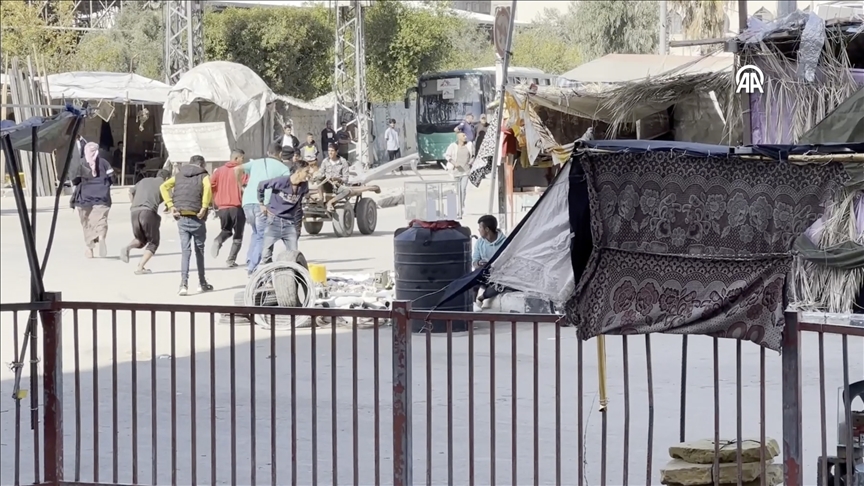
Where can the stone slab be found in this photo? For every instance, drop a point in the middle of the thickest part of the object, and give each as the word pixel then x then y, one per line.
pixel 702 451
pixel 678 472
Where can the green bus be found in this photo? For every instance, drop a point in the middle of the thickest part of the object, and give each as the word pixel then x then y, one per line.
pixel 443 100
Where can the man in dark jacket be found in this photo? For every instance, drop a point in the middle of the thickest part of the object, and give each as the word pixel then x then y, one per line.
pixel 328 135
pixel 146 197
pixel 285 209
pixel 192 196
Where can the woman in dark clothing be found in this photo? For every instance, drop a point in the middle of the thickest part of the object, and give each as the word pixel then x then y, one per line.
pixel 92 198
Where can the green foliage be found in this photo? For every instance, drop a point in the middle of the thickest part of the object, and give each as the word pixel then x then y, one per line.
pixel 403 42
pixel 615 26
pixel 23 32
pixel 135 44
pixel 290 48
pixel 702 19
pixel 549 43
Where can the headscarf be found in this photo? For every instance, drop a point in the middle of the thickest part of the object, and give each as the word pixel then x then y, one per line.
pixel 91 154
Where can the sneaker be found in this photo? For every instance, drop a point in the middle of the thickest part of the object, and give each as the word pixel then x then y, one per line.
pixel 103 248
pixel 231 264
pixel 214 250
pixel 205 287
pixel 124 254
pixel 184 289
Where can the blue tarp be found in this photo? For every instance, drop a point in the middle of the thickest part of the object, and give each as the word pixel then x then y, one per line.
pixel 53 133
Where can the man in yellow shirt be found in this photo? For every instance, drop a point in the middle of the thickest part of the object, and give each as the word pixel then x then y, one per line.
pixel 188 196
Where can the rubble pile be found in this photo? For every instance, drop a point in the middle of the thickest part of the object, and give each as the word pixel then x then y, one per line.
pixel 692 463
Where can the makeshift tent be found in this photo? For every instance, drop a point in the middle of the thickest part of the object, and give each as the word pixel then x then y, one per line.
pixel 134 104
pixel 629 240
pixel 844 124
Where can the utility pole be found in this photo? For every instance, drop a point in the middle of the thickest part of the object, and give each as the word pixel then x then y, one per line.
pixel 664 16
pixel 350 76
pixel 184 37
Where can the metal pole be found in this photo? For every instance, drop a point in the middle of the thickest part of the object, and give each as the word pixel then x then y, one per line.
pixel 338 57
pixel 501 87
pixel 125 141
pixel 744 98
pixel 663 19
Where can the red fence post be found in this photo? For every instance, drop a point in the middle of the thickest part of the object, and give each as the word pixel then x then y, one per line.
pixel 52 369
pixel 792 415
pixel 402 437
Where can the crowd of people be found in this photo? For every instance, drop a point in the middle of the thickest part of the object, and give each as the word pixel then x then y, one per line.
pixel 265 194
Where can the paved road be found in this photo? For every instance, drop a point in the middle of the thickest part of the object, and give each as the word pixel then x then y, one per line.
pixel 111 280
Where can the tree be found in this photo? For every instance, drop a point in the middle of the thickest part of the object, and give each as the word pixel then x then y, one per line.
pixel 616 26
pixel 135 44
pixel 405 41
pixel 701 19
pixel 549 43
pixel 24 31
pixel 290 48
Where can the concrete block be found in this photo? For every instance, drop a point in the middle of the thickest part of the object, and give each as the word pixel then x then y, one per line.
pixel 683 473
pixel 702 451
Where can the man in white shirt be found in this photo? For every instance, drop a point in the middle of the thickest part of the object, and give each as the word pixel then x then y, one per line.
pixel 289 140
pixel 391 137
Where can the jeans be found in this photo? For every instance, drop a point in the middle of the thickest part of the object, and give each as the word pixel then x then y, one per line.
pixel 191 228
pixel 257 221
pixel 279 229
pixel 462 181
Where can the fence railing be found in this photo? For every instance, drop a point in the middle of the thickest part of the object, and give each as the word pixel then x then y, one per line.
pixel 181 394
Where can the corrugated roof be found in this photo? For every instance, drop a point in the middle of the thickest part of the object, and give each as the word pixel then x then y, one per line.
pixel 621 68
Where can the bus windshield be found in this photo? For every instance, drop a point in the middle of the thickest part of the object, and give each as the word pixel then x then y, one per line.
pixel 438 104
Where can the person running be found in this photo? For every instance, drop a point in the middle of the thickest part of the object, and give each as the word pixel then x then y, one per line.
pixel 92 178
pixel 192 196
pixel 259 170
pixel 228 196
pixel 285 209
pixel 146 197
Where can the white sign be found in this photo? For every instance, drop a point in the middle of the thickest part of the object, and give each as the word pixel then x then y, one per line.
pixel 450 83
pixel 209 140
pixel 448 94
pixel 749 79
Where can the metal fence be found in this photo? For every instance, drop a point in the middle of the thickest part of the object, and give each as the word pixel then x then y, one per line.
pixel 182 394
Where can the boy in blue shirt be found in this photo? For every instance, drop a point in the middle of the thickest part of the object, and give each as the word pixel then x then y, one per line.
pixel 284 212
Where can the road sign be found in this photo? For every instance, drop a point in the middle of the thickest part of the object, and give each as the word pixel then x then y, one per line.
pixel 500 30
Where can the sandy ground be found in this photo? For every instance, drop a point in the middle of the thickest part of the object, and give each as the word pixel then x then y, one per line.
pixel 201 382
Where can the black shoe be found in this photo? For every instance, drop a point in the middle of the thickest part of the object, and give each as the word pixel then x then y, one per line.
pixel 231 264
pixel 204 287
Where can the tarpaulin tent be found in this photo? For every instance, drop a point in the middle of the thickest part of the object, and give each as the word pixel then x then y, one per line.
pixel 115 87
pixel 628 215
pixel 844 124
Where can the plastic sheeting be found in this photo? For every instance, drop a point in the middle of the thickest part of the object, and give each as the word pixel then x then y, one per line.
pixel 116 87
pixel 233 87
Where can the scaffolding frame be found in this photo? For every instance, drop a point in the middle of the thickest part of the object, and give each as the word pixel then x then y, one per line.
pixel 184 37
pixel 352 103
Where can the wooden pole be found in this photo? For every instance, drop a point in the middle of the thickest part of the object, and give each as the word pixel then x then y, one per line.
pixel 125 143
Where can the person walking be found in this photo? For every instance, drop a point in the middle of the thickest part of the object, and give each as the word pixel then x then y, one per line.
pixel 459 155
pixel 228 196
pixel 466 126
pixel 328 135
pixel 258 171
pixel 192 196
pixel 92 178
pixel 285 209
pixel 391 138
pixel 146 197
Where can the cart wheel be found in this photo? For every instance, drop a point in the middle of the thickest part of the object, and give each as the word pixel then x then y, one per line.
pixel 313 227
pixel 366 212
pixel 343 220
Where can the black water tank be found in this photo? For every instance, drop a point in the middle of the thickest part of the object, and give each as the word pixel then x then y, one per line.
pixel 428 260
